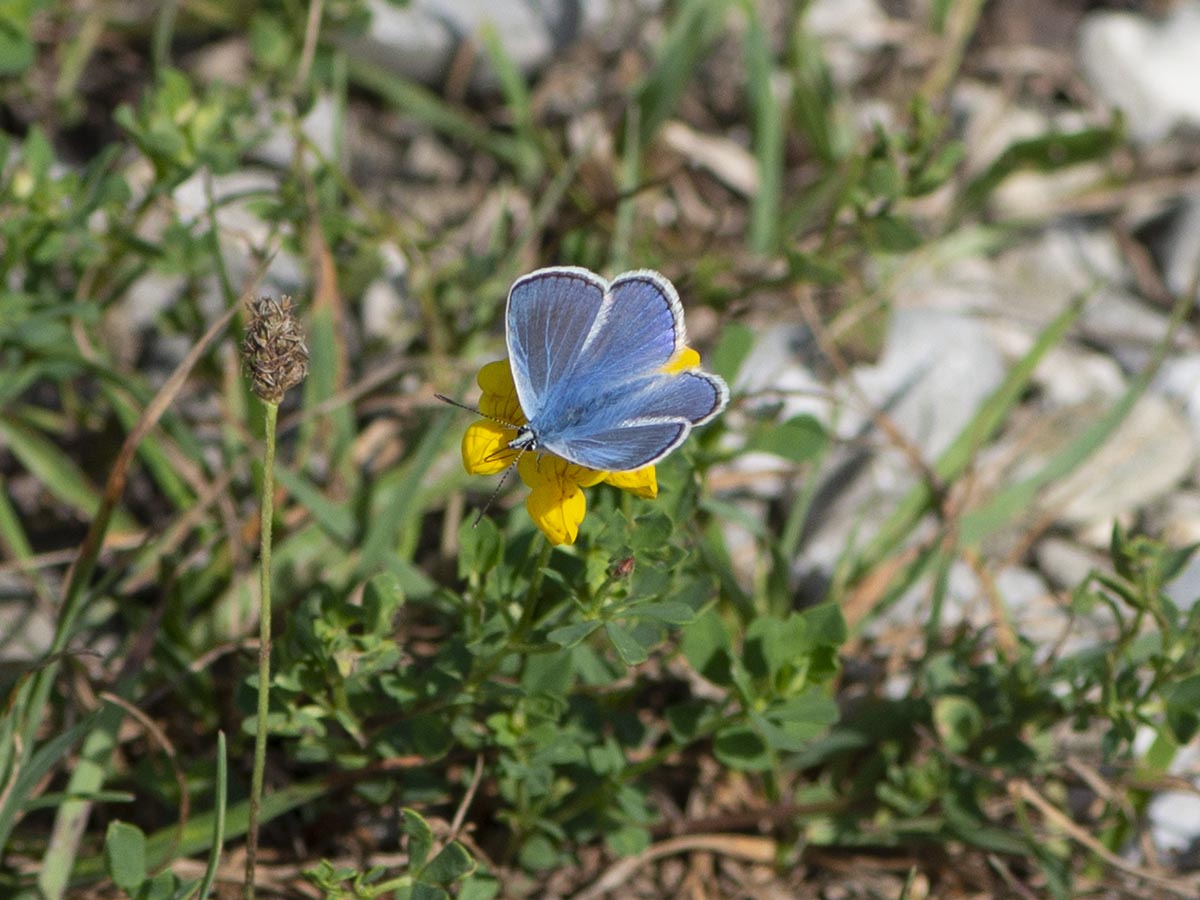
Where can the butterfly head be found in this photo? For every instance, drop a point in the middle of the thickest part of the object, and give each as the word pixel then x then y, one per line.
pixel 526 439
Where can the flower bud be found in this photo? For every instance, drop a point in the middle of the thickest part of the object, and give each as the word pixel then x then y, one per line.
pixel 273 352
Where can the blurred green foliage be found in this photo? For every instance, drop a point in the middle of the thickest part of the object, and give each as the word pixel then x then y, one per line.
pixel 581 680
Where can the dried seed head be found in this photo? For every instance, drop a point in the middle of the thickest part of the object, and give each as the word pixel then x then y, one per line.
pixel 273 353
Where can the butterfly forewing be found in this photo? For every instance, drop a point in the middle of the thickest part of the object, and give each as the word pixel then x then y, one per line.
pixel 550 315
pixel 639 328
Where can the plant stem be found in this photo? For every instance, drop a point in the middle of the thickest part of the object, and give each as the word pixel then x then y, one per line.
pixel 264 646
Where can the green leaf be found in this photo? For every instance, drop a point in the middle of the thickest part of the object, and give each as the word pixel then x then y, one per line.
pixel 707 646
pixel 570 635
pixel 16 40
pixel 741 747
pixel 671 612
pixel 161 887
pixel 628 840
pixel 695 25
pixel 57 472
pixel 420 839
pixel 958 721
pixel 480 548
pixel 125 855
pixel 826 626
pixel 423 891
pixel 48 755
pixel 479 887
pixel 1183 709
pixel 685 719
pixel 336 518
pixel 772 644
pixel 799 439
pixel 894 234
pixel 538 853
pixel 453 863
pixel 382 599
pixel 627 646
pixel 813 708
pixel 732 351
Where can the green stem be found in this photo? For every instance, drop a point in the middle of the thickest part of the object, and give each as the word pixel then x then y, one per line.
pixel 529 612
pixel 516 638
pixel 264 647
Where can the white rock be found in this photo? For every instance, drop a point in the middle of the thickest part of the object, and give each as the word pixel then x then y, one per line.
pixel 993 123
pixel 1179 378
pixel 1177 521
pixel 1069 376
pixel 774 373
pixel 1065 563
pixel 387 312
pixel 1181 248
pixel 419 39
pixel 1149 70
pixel 1174 815
pixel 847 30
pixel 1148 455
pixel 1174 820
pixel 935 371
pixel 319 126
pixel 1184 588
pixel 241 231
pixel 1027 603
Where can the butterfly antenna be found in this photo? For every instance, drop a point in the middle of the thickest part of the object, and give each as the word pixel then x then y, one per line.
pixel 446 399
pixel 477 412
pixel 496 493
pixel 503 478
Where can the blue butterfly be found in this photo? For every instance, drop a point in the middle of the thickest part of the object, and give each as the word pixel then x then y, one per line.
pixel 588 361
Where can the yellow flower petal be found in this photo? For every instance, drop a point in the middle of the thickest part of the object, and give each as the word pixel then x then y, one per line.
pixel 641 482
pixel 687 358
pixel 499 398
pixel 537 469
pixel 556 504
pixel 485 447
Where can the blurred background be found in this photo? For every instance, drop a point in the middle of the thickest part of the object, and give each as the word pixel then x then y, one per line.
pixel 946 253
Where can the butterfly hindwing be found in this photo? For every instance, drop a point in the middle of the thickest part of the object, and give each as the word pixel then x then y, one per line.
pixel 634 425
pixel 625 447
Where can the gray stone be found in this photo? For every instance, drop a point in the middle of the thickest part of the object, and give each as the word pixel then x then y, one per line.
pixel 320 127
pixel 420 39
pixel 1064 563
pixel 936 369
pixel 1148 69
pixel 1180 248
pixel 1148 455
pixel 242 233
pixel 848 30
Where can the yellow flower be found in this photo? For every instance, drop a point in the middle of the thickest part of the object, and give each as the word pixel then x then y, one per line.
pixel 555 502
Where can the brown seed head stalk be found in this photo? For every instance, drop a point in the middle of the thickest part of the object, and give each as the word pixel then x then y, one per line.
pixel 273 353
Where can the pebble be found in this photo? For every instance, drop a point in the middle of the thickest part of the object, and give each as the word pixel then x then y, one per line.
pixel 1147 69
pixel 1147 457
pixel 420 39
